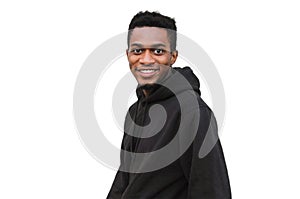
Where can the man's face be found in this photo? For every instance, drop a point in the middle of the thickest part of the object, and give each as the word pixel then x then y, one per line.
pixel 149 54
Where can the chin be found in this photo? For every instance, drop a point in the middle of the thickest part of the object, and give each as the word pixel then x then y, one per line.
pixel 146 82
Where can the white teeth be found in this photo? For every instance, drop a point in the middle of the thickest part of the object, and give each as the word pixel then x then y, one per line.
pixel 147 71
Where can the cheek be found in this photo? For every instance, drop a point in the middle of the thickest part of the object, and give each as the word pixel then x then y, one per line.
pixel 132 60
pixel 165 60
pixel 165 69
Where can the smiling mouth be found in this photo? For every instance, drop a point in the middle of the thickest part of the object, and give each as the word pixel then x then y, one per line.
pixel 147 71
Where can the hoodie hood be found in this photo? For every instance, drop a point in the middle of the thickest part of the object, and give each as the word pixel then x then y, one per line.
pixel 181 79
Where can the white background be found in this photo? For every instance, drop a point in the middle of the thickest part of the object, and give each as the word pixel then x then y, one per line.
pixel 254 44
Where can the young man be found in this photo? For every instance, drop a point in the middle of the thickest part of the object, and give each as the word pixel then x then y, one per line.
pixel 178 172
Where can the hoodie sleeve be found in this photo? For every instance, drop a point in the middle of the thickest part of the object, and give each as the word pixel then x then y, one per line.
pixel 203 163
pixel 121 179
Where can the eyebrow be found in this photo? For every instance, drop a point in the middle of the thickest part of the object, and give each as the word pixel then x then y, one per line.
pixel 152 46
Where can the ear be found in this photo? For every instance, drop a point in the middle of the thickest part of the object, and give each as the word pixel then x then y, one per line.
pixel 127 54
pixel 128 58
pixel 174 56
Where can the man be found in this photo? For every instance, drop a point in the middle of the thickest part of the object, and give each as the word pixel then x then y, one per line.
pixel 183 124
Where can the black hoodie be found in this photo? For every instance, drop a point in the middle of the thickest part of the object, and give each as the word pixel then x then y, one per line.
pixel 186 175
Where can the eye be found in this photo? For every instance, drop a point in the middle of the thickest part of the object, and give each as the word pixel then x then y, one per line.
pixel 137 51
pixel 158 51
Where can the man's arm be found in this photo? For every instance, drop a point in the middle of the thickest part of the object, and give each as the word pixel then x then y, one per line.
pixel 207 176
pixel 121 179
pixel 118 186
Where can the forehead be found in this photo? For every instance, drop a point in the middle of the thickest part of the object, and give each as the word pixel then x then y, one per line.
pixel 149 36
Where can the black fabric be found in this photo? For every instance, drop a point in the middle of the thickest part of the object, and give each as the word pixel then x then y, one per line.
pixel 188 177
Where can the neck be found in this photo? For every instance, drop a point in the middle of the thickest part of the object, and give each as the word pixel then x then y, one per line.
pixel 146 93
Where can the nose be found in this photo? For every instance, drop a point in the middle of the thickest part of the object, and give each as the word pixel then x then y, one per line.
pixel 146 58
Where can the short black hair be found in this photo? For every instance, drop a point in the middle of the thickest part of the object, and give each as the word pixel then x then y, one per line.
pixel 154 19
